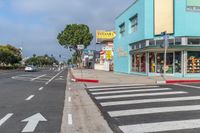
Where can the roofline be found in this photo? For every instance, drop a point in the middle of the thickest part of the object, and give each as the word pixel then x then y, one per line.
pixel 126 9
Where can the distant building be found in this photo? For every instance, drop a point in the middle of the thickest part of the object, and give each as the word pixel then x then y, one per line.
pixel 90 57
pixel 105 38
pixel 137 45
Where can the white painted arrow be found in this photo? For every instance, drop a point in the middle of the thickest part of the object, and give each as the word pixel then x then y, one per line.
pixel 32 122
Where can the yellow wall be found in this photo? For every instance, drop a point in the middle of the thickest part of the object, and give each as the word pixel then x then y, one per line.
pixel 164 16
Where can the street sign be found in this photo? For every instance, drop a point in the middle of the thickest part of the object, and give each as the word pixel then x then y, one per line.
pixel 166 68
pixel 108 54
pixel 80 47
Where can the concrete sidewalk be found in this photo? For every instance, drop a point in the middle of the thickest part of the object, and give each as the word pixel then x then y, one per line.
pixel 111 77
pixel 120 78
pixel 80 114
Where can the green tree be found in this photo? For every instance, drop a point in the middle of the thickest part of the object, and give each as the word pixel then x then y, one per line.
pixel 41 61
pixel 10 55
pixel 74 35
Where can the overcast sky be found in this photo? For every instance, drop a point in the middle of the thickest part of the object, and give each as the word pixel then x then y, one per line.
pixel 34 24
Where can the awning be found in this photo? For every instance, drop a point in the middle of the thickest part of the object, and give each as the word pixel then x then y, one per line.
pixel 170 48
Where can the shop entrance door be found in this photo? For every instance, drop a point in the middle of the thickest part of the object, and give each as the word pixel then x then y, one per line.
pixel 160 63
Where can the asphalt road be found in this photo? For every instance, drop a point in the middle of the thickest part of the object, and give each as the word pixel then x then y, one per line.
pixel 32 101
pixel 150 108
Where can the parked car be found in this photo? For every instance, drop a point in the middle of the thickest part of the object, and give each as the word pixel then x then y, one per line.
pixel 30 68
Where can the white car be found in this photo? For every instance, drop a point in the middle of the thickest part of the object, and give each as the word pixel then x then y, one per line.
pixel 30 68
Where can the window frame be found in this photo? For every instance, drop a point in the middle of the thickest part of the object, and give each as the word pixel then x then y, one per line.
pixel 134 23
pixel 122 29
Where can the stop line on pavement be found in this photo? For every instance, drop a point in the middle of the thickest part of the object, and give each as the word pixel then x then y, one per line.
pixel 129 107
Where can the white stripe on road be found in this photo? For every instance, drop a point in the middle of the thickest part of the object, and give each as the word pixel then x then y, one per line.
pixel 38 77
pixel 69 119
pixel 153 110
pixel 69 88
pixel 69 99
pixel 121 88
pixel 126 91
pixel 5 118
pixel 41 88
pixel 161 126
pixel 190 86
pixel 150 101
pixel 30 97
pixel 141 95
pixel 107 86
pixel 53 77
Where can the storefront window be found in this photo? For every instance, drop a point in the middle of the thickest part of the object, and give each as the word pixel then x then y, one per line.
pixel 169 62
pixel 133 62
pixel 178 62
pixel 139 62
pixel 143 62
pixel 160 62
pixel 193 65
pixel 151 62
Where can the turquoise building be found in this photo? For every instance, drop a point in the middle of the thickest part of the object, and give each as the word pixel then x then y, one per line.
pixel 138 45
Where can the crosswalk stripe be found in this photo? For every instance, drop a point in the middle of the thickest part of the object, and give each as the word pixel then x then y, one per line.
pixel 140 95
pixel 107 86
pixel 153 110
pixel 5 118
pixel 121 88
pixel 150 100
pixel 161 126
pixel 125 91
pixel 190 86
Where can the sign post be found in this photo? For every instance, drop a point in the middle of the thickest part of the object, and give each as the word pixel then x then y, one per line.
pixel 166 44
pixel 80 48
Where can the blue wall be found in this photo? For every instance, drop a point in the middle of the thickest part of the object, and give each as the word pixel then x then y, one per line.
pixel 186 24
pixel 122 64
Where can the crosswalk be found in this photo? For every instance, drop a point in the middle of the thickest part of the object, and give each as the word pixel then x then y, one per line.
pixel 148 108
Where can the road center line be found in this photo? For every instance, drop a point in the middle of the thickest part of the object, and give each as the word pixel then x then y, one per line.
pixel 30 97
pixel 69 88
pixel 53 77
pixel 5 118
pixel 38 77
pixel 69 119
pixel 41 88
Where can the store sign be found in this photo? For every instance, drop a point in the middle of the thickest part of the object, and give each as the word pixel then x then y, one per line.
pixel 80 47
pixel 121 52
pixel 109 55
pixel 193 5
pixel 105 34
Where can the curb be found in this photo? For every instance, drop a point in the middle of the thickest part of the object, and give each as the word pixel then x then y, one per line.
pixel 181 81
pixel 177 81
pixel 74 79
